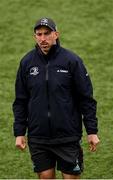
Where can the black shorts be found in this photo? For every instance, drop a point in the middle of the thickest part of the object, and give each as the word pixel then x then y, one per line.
pixel 67 157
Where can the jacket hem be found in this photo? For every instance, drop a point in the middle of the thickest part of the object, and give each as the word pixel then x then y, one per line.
pixel 59 140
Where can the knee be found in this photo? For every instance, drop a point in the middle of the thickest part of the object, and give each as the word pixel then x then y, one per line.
pixel 46 175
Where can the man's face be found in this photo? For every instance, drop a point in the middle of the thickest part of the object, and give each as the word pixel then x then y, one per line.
pixel 45 38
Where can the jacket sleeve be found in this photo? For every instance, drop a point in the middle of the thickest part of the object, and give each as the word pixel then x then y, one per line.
pixel 87 104
pixel 20 104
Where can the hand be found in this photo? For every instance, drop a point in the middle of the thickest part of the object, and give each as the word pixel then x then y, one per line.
pixel 20 142
pixel 93 140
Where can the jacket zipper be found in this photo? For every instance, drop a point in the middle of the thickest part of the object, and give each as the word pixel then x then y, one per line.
pixel 47 87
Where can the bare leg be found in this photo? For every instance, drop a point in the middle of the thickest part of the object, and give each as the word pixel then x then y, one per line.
pixel 47 174
pixel 70 176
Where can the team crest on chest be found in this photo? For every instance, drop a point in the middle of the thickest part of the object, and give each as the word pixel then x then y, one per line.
pixel 34 71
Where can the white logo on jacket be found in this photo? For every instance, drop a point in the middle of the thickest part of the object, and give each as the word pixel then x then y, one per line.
pixel 62 71
pixel 34 71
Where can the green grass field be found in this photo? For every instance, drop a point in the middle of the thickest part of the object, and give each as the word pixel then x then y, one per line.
pixel 86 27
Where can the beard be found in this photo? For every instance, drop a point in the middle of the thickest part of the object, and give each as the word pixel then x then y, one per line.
pixel 45 47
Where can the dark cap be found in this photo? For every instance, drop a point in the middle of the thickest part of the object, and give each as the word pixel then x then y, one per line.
pixel 45 22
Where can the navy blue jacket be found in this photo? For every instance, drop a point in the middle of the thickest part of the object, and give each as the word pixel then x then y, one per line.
pixel 53 96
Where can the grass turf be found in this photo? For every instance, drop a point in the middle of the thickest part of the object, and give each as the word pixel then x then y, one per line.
pixel 85 27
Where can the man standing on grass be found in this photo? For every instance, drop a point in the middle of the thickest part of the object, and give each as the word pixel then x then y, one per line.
pixel 54 95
